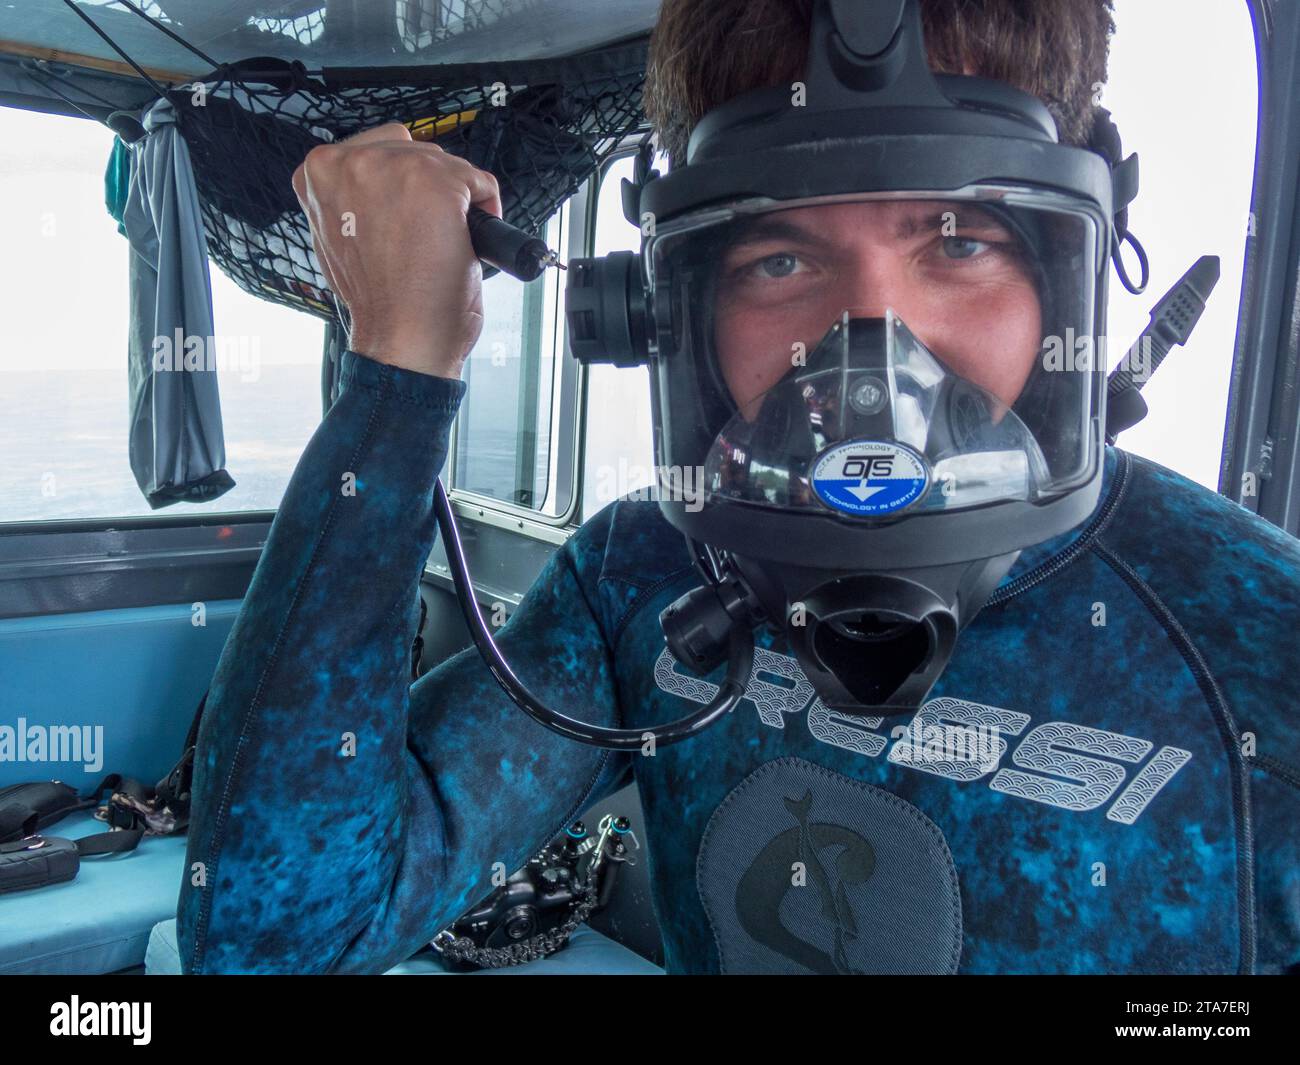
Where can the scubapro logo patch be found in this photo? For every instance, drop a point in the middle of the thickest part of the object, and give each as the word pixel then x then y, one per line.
pixel 869 477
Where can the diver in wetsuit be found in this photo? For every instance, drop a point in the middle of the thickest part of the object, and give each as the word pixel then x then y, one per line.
pixel 1069 797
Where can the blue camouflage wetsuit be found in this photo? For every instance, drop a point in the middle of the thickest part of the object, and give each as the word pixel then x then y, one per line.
pixel 1129 799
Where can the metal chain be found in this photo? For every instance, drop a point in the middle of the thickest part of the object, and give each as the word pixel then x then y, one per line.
pixel 462 948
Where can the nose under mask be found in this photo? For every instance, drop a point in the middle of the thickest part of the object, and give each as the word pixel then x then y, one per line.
pixel 871 426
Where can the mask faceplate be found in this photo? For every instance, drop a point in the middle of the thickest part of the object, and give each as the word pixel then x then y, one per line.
pixel 873 357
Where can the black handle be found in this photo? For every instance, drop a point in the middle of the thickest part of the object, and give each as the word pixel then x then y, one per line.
pixel 508 248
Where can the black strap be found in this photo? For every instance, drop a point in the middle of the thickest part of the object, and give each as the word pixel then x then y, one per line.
pixel 642 174
pixel 175 786
pixel 1124 186
pixel 111 842
pixel 14 817
pixel 1105 141
pixel 192 737
pixel 115 782
pixel 126 826
pixel 96 843
pixel 17 819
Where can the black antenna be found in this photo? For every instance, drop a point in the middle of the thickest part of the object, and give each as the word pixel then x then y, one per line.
pixel 1172 322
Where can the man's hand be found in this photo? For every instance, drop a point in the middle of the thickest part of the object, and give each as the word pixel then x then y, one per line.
pixel 388 224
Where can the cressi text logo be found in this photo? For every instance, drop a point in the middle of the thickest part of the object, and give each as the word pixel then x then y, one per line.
pixel 1069 766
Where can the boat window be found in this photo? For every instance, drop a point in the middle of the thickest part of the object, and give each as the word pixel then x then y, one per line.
pixel 64 413
pixel 1195 137
pixel 510 414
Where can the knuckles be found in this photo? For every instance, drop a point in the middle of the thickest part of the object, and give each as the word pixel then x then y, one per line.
pixel 314 167
pixel 375 165
pixel 384 170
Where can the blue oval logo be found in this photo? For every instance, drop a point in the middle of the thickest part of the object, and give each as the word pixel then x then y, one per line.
pixel 869 477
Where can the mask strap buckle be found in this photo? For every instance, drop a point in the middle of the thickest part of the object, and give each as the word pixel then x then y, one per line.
pixel 642 175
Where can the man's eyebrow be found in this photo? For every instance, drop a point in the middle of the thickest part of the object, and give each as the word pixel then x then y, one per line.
pixel 769 228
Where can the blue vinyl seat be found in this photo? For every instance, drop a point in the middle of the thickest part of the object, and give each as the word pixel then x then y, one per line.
pixel 588 952
pixel 120 911
pixel 100 921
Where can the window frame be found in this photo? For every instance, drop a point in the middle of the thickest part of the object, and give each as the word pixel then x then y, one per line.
pixel 1261 435
pixel 568 395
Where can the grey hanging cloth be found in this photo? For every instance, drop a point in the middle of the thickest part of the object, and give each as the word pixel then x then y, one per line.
pixel 177 448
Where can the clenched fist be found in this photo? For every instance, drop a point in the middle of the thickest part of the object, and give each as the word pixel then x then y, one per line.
pixel 388 224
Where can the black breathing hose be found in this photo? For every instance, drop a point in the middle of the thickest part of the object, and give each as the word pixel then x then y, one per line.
pixel 740 665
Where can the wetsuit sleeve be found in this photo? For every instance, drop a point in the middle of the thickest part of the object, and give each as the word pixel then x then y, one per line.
pixel 341 816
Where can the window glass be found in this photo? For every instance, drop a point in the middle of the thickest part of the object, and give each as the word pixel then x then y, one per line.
pixel 64 413
pixel 1195 135
pixel 504 429
pixel 619 456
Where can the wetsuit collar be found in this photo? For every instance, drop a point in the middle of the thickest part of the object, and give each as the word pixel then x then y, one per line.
pixel 1038 554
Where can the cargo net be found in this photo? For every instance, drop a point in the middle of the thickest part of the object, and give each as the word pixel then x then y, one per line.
pixel 541 127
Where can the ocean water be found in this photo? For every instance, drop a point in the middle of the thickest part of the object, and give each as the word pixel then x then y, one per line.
pixel 63 442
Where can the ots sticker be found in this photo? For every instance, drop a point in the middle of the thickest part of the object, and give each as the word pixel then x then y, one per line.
pixel 869 477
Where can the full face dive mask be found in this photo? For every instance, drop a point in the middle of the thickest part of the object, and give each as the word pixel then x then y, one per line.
pixel 868 308
pixel 861 385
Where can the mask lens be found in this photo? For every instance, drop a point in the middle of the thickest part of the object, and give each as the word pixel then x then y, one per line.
pixel 876 356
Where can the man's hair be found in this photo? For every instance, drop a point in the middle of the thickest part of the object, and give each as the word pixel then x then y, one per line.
pixel 704 52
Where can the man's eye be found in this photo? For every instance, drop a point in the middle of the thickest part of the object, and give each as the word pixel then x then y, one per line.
pixel 963 247
pixel 779 265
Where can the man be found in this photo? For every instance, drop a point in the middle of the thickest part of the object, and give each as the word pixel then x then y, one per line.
pixel 1131 802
